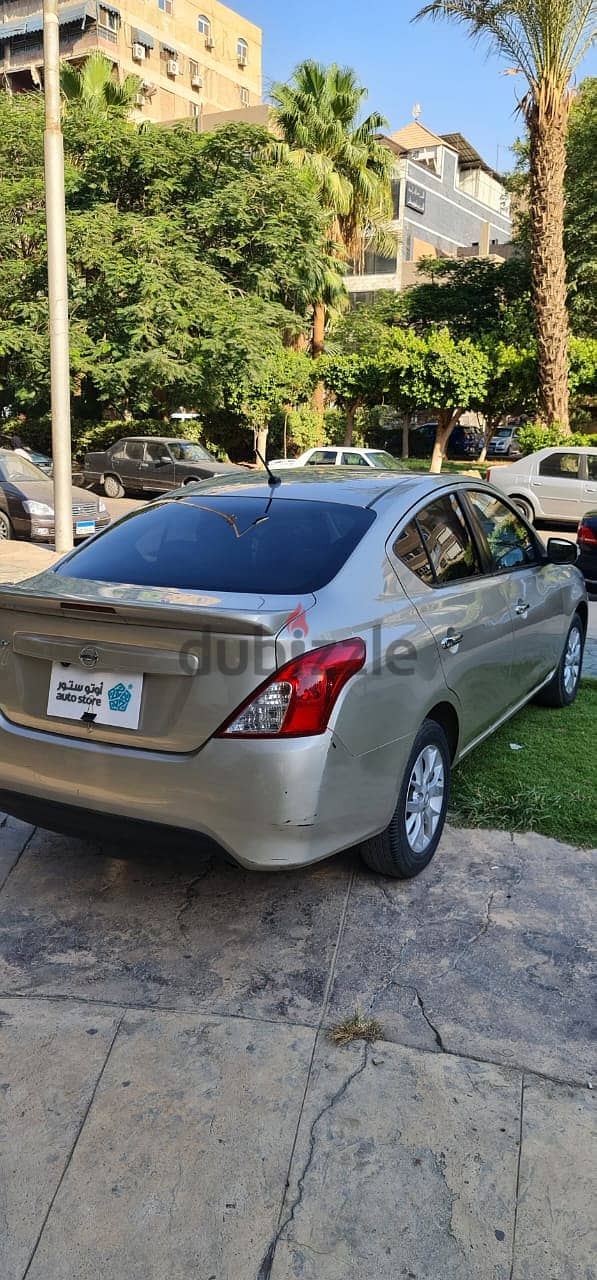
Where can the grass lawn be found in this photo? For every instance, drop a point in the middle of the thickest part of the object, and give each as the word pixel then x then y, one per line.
pixel 422 464
pixel 549 786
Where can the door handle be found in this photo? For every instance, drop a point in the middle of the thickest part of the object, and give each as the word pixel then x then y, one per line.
pixel 522 608
pixel 452 641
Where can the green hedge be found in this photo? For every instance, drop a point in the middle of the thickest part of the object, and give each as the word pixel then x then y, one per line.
pixel 535 436
pixel 92 437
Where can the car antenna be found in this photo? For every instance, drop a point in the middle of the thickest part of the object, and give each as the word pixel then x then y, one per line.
pixel 272 478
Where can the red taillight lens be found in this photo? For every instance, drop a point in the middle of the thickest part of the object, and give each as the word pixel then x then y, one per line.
pixel 488 475
pixel 298 700
pixel 586 536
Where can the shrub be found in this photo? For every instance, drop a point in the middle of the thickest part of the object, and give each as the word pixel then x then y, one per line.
pixel 535 435
pixel 93 437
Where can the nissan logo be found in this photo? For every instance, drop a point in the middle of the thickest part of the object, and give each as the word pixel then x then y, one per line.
pixel 89 657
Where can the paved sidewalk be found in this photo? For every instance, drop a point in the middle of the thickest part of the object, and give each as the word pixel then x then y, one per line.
pixel 20 560
pixel 173 1107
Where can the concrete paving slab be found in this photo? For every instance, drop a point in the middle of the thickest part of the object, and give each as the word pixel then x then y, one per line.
pixel 13 838
pixel 50 1059
pixel 556 1234
pixel 488 953
pixel 405 1166
pixel 165 930
pixel 180 1170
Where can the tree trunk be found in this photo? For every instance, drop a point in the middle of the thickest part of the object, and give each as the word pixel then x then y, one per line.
pixel 491 425
pixel 260 443
pixel 405 433
pixel 350 416
pixel 548 128
pixel 445 426
pixel 317 349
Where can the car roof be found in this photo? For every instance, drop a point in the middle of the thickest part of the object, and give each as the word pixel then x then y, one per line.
pixel 158 440
pixel 352 485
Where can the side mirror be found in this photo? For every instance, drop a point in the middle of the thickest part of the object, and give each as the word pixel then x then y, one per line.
pixel 561 551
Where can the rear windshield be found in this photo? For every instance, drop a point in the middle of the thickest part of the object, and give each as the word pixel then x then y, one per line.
pixel 229 543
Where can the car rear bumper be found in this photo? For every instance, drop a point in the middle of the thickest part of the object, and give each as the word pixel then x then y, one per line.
pixel 267 803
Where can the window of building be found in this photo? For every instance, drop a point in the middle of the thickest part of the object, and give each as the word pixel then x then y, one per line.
pixel 203 25
pixel 242 51
pixel 244 96
pixel 193 68
pixel 376 264
pixel 395 197
pixel 195 109
pixel 108 18
pixel 166 6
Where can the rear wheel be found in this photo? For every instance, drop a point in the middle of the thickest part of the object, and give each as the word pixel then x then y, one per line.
pixel 113 488
pixel 192 480
pixel 408 844
pixel 525 508
pixel 563 687
pixel 5 527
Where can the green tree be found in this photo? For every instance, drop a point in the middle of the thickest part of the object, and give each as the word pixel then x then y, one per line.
pixel 544 41
pixel 355 381
pixel 440 375
pixel 318 117
pixel 94 85
pixel 511 387
pixel 472 296
pixel 580 219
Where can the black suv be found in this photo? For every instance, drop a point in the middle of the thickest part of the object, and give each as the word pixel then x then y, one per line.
pixel 151 464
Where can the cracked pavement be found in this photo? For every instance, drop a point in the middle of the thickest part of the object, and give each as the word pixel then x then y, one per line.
pixel 171 1105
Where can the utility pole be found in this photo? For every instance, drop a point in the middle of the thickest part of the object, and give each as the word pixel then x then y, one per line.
pixel 57 283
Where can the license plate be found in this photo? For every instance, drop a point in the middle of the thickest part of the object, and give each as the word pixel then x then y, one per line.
pixel 83 528
pixel 104 697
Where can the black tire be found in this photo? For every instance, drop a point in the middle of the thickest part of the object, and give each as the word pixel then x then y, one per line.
pixel 560 692
pixel 113 487
pixel 191 480
pixel 391 853
pixel 525 508
pixel 5 527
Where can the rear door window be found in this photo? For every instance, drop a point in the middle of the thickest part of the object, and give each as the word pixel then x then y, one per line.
pixel 225 543
pixel 134 450
pixel 564 466
pixel 351 459
pixel 447 540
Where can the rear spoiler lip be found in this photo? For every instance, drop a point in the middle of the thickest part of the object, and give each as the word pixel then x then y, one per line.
pixel 192 617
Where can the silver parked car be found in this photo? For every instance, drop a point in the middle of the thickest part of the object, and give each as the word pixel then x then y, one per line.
pixel 552 484
pixel 289 668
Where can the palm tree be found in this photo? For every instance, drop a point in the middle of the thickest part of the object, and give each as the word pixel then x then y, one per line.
pixel 545 41
pixel 94 86
pixel 317 116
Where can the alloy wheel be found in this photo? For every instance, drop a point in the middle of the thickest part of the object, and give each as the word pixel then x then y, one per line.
pixel 424 799
pixel 572 660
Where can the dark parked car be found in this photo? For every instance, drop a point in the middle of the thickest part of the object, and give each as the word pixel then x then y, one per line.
pixel 586 538
pixel 27 503
pixel 464 442
pixel 40 460
pixel 151 465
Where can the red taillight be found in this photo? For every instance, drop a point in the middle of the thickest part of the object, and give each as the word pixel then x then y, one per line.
pixel 488 475
pixel 298 700
pixel 586 536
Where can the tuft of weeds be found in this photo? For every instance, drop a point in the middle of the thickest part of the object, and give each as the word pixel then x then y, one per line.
pixel 357 1026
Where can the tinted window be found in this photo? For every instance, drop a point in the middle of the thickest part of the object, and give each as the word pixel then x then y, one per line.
pixel 134 449
pixel 320 457
pixel 563 465
pixel 225 543
pixel 510 542
pixel 183 452
pixel 157 451
pixel 447 540
pixel 351 459
pixel 592 466
pixel 409 548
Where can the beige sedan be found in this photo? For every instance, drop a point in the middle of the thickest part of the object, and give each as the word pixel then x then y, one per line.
pixel 289 668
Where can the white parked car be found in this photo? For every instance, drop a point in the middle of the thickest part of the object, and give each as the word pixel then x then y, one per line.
pixel 552 484
pixel 332 457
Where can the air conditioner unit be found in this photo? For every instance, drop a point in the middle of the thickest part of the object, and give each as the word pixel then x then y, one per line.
pixel 139 52
pixel 197 82
pixel 242 59
pixel 139 100
pixel 210 41
pixel 173 67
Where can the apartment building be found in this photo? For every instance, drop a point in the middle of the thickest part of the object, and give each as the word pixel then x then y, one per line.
pixel 192 56
pixel 447 202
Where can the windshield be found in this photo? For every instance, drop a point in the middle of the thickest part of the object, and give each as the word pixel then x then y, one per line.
pixel 384 460
pixel 226 543
pixel 183 451
pixel 503 431
pixel 15 468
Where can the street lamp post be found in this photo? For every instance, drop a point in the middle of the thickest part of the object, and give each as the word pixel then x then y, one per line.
pixel 57 283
